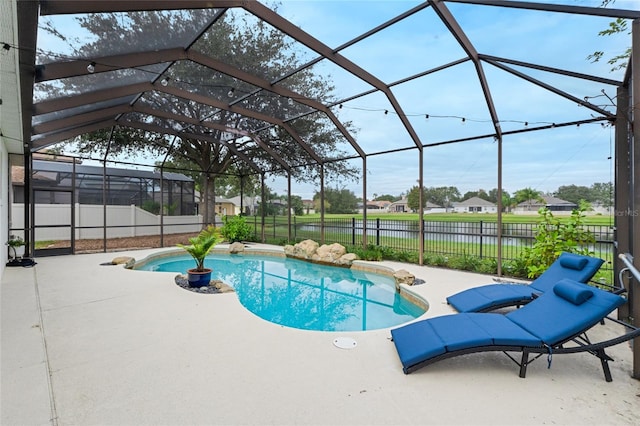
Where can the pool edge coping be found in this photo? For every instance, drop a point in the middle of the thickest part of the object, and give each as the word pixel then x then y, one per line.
pixel 358 265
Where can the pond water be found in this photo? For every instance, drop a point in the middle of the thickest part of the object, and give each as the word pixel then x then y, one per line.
pixel 304 295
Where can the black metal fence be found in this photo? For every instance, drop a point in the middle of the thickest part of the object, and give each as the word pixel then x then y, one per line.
pixel 478 239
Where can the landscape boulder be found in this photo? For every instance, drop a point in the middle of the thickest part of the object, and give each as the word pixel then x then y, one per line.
pixel 127 261
pixel 403 277
pixel 221 286
pixel 236 247
pixel 332 254
pixel 302 250
pixel 346 259
pixel 329 253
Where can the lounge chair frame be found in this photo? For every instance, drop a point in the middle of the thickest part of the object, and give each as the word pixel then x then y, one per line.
pixel 581 339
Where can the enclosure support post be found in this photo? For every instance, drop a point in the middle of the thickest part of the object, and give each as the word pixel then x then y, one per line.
pixel 204 200
pixel 321 203
pixel 213 201
pixel 421 203
pixel 499 202
pixel 364 203
pixel 73 208
pixel 264 203
pixel 241 195
pixel 104 204
pixel 634 290
pixel 29 213
pixel 289 206
pixel 164 161
pixel 162 207
pixel 623 189
pixel 104 191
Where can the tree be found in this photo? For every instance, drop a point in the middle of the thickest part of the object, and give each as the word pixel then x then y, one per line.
pixel 615 27
pixel 602 192
pixel 316 203
pixel 337 201
pixel 297 205
pixel 240 44
pixel 585 206
pixel 528 195
pixel 574 193
pixel 507 201
pixel 385 197
pixel 413 198
pixel 443 195
pixel 469 194
pixel 481 193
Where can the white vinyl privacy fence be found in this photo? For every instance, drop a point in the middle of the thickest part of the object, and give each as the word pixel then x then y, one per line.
pixel 53 221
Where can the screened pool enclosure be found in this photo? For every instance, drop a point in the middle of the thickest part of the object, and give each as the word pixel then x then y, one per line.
pixel 305 96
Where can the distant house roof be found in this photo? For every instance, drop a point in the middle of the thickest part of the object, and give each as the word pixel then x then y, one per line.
pixel 548 201
pixel 431 205
pixel 376 204
pixel 46 170
pixel 475 201
pixel 56 166
pixel 247 201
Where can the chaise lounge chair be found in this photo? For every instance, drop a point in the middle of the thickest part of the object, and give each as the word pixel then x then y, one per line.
pixel 547 325
pixel 494 296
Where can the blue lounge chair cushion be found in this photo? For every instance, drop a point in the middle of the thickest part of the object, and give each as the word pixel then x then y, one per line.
pixel 568 265
pixel 417 342
pixel 554 319
pixel 572 271
pixel 576 294
pixel 484 297
pixel 426 339
pixel 503 333
pixel 573 261
pixel 548 321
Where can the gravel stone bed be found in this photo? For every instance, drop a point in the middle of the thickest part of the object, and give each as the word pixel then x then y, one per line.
pixel 214 287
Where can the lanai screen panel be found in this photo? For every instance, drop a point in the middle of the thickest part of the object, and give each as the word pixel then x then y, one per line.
pixel 403 74
pixel 67 37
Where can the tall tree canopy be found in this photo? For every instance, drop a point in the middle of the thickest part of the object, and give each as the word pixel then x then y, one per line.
pixel 246 45
pixel 443 195
pixel 337 201
pixel 528 194
pixel 413 198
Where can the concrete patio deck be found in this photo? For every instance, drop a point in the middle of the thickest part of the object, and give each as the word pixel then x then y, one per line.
pixel 84 344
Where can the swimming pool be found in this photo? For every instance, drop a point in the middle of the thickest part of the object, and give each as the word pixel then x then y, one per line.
pixel 304 295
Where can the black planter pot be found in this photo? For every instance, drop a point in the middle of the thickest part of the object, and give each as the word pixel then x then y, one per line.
pixel 199 278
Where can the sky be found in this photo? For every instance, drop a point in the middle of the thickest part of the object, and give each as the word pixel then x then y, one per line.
pixel 454 101
pixel 542 160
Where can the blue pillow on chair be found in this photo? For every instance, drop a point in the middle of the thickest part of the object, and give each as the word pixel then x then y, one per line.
pixel 573 262
pixel 572 291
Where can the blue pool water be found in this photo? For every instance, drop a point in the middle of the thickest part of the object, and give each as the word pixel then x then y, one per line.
pixel 304 295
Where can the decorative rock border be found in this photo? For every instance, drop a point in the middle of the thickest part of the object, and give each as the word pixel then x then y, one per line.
pixel 127 261
pixel 334 254
pixel 214 287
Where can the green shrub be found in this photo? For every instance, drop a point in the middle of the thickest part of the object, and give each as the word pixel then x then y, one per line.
pixel 151 206
pixel 487 266
pixel 435 260
pixel 371 252
pixel 553 237
pixel 515 268
pixel 235 228
pixel 464 262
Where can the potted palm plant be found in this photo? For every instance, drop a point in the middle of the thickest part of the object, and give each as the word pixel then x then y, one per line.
pixel 200 246
pixel 16 244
